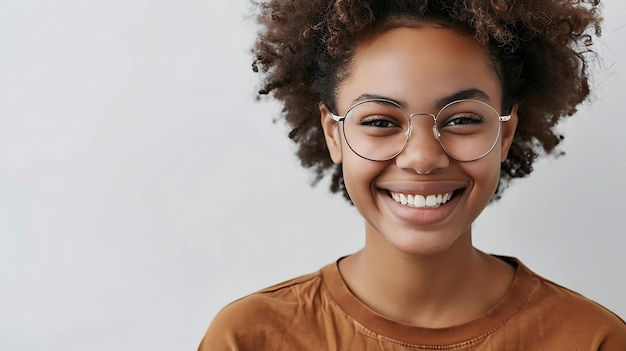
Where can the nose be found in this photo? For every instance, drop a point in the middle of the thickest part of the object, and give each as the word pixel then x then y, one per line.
pixel 422 153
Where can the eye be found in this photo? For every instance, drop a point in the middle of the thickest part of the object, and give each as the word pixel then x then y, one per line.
pixel 379 121
pixel 463 119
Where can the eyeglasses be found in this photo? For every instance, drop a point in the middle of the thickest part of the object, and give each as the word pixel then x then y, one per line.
pixel 379 129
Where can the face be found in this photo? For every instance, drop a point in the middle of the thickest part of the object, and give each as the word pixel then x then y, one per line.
pixel 420 68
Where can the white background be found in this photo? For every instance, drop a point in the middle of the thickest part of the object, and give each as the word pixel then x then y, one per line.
pixel 142 187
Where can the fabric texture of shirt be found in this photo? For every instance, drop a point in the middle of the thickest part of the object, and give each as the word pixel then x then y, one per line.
pixel 318 312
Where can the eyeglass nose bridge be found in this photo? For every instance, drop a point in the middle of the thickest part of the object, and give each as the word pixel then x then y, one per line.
pixel 409 130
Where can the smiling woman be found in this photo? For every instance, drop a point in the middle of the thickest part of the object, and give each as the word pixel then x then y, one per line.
pixel 422 112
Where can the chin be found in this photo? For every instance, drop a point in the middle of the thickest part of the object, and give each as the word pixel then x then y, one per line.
pixel 424 244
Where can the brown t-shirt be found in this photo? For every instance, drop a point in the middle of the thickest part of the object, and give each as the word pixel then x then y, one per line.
pixel 318 312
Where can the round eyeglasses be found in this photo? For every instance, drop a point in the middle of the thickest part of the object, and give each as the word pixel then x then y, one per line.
pixel 379 129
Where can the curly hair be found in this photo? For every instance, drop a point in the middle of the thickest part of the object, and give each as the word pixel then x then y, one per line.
pixel 539 47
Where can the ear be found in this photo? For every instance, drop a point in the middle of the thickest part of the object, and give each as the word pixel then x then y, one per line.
pixel 331 134
pixel 508 133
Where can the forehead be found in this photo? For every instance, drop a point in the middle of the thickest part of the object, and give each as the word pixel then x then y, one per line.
pixel 419 65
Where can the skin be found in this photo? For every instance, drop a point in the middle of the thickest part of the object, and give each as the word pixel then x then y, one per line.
pixel 418 266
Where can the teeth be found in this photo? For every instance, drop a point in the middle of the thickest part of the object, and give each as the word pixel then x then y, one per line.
pixel 421 201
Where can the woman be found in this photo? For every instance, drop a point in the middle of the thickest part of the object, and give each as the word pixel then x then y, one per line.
pixel 422 111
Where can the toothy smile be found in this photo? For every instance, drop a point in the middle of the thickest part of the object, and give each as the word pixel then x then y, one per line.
pixel 421 201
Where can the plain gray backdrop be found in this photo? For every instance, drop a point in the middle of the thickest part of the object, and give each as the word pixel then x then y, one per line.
pixel 142 187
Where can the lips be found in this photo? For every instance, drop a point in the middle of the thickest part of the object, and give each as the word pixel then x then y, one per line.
pixel 421 201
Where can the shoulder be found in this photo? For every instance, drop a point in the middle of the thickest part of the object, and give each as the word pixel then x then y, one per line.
pixel 282 298
pixel 571 303
pixel 562 311
pixel 260 318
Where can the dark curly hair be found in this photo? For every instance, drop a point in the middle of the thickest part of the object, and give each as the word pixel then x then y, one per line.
pixel 539 47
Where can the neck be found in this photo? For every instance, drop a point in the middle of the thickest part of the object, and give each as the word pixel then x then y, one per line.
pixel 429 290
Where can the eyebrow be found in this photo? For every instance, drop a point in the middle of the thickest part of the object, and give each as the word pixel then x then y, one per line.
pixel 473 93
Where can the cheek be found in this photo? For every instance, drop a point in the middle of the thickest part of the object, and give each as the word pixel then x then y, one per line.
pixel 485 173
pixel 359 174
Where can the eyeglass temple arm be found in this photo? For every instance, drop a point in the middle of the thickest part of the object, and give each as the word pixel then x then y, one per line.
pixel 338 118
